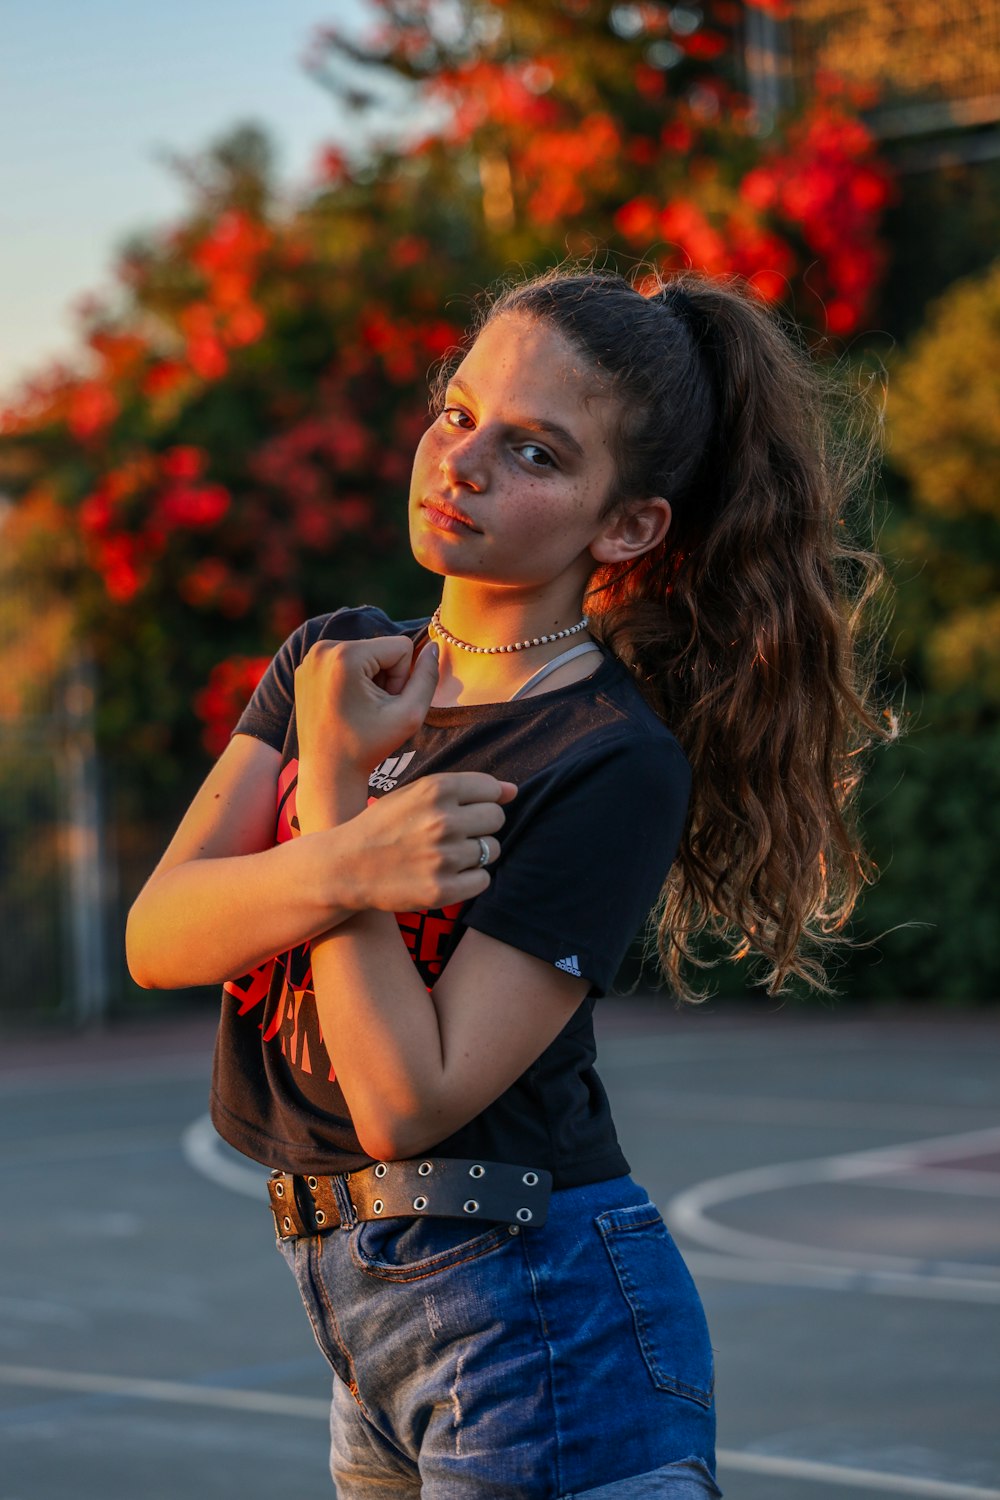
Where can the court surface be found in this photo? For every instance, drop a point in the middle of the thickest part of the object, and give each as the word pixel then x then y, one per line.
pixel 834 1182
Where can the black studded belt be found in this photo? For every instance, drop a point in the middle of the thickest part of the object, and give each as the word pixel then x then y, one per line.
pixel 429 1187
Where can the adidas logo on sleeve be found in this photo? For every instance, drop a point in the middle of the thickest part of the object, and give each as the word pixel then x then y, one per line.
pixel 570 966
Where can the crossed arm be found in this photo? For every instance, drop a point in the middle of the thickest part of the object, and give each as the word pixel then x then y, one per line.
pixel 414 1066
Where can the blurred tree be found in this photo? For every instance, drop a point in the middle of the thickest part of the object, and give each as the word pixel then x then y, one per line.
pixel 231 451
pixel 934 805
pixel 234 453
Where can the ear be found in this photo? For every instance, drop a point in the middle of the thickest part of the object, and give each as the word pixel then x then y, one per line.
pixel 630 532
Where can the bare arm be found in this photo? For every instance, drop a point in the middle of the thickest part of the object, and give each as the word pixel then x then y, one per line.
pixel 222 899
pixel 415 1067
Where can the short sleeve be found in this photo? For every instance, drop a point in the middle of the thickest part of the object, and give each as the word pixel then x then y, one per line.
pixel 587 858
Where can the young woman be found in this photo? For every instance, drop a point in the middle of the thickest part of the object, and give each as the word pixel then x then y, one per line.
pixel 642 686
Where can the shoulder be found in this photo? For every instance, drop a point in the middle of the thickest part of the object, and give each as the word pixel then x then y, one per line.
pixel 351 623
pixel 623 733
pixel 270 710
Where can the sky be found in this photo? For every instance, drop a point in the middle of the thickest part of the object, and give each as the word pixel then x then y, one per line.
pixel 91 92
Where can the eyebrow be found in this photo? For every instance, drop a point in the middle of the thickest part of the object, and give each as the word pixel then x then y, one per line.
pixel 553 429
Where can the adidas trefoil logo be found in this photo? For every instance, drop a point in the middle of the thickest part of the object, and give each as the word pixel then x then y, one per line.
pixel 570 966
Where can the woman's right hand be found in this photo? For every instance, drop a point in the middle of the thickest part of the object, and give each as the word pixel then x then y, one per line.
pixel 417 846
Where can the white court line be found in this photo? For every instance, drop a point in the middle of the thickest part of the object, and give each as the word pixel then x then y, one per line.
pixel 850 1478
pixel 272 1403
pixel 207 1154
pixel 687 1211
pixel 204 1150
pixel 185 1393
pixel 822 1278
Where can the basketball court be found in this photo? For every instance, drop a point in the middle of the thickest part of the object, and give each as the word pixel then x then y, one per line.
pixel 833 1180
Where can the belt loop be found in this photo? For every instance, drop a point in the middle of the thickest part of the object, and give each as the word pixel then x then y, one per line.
pixel 342 1193
pixel 288 1221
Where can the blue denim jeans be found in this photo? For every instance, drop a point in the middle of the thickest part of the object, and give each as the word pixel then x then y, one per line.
pixel 565 1361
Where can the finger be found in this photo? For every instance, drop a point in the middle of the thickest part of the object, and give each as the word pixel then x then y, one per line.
pixel 392 656
pixel 484 851
pixel 475 818
pixel 465 787
pixel 417 691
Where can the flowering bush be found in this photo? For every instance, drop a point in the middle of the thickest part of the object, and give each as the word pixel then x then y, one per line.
pixel 231 450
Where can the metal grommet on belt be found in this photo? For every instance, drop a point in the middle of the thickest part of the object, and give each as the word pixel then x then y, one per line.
pixel 313 1203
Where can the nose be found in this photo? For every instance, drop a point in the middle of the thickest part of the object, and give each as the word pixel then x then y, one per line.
pixel 463 464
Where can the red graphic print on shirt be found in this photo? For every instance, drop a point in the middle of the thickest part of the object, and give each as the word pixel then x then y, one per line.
pixel 281 988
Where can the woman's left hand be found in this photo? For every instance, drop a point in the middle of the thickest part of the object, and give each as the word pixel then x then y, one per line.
pixel 357 701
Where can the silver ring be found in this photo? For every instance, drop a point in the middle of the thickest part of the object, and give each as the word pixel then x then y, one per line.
pixel 484 853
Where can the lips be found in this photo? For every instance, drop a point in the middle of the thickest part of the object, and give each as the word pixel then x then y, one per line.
pixel 440 512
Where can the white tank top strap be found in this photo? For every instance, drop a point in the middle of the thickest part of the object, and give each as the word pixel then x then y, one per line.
pixel 550 666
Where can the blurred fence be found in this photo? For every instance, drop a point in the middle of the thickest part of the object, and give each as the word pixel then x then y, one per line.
pixel 58 881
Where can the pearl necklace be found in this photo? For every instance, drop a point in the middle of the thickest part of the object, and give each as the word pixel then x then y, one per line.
pixel 436 628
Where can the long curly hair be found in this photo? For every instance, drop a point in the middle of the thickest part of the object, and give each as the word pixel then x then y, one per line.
pixel 749 629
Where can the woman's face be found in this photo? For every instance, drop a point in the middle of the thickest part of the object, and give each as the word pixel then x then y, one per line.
pixel 510 481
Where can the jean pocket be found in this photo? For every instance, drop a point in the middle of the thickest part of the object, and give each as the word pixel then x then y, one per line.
pixel 663 1300
pixel 411 1249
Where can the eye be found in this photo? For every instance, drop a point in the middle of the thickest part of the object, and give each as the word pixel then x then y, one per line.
pixel 542 457
pixel 452 416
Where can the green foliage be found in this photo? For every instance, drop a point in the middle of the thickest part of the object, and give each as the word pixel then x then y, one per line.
pixel 933 801
pixel 933 828
pixel 232 452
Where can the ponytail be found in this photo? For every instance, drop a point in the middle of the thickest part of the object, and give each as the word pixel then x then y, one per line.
pixel 746 628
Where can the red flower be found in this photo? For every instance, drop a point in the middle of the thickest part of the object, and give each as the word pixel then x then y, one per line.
pixel 184 462
pixel 677 136
pixel 650 81
pixel 684 223
pixel 95 512
pixel 703 45
pixel 234 242
pixel 409 250
pixel 759 188
pixel 163 376
pixel 244 325
pixel 122 566
pixel 781 10
pixel 639 219
pixel 194 506
pixel 223 698
pixel 92 409
pixel 841 315
pixel 207 357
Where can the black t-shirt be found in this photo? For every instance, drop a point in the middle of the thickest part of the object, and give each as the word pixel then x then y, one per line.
pixel 585 848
